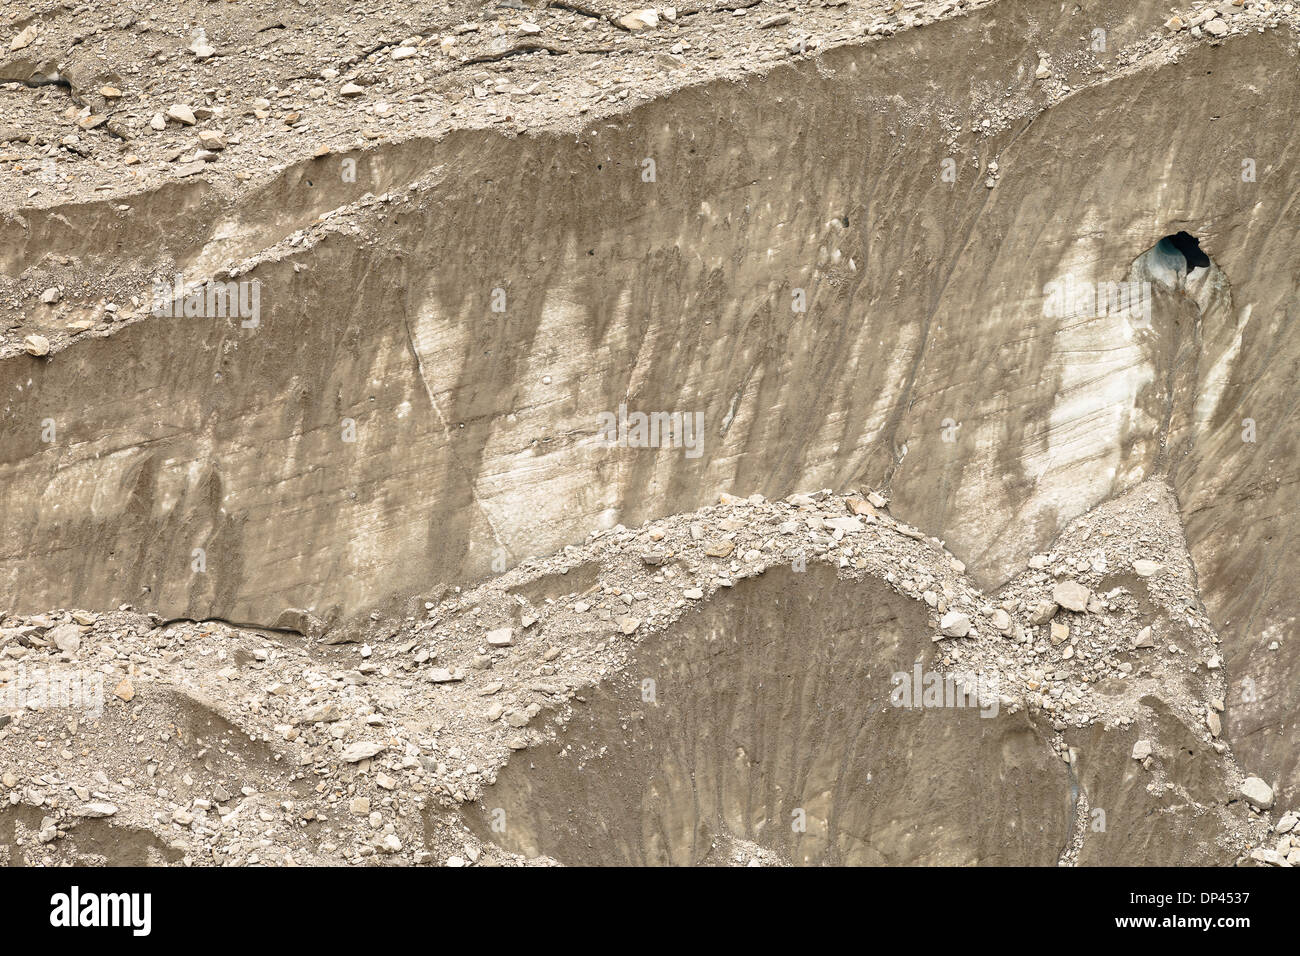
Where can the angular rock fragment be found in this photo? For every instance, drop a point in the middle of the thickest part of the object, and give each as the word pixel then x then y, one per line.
pixel 954 624
pixel 361 750
pixel 1258 793
pixel 1071 595
pixel 1043 612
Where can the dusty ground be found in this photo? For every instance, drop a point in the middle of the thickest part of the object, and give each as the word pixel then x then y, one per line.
pixel 106 101
pixel 233 746
pixel 506 720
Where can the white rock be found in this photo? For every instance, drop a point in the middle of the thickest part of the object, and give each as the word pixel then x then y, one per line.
pixel 1043 612
pixel 1060 632
pixel 66 637
pixel 848 524
pixel 23 39
pixel 1071 595
pixel 637 20
pixel 181 114
pixel 361 750
pixel 1257 792
pixel 954 624
pixel 36 345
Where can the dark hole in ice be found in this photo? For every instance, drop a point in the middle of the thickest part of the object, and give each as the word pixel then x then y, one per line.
pixel 1189 246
